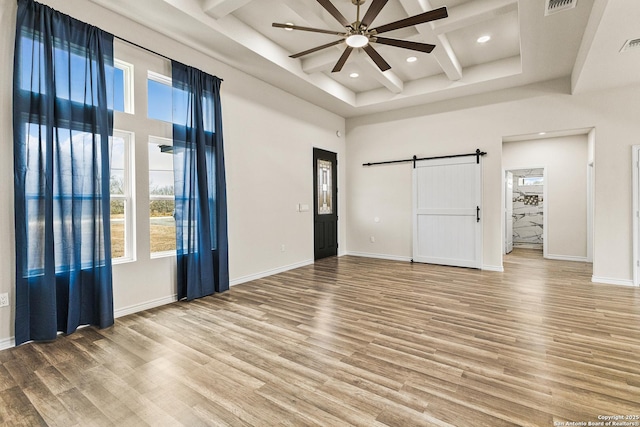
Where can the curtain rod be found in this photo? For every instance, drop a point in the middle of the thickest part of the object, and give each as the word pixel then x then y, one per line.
pixel 141 47
pixel 414 159
pixel 148 50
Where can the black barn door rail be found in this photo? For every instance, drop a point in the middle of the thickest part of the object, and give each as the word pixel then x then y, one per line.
pixel 478 153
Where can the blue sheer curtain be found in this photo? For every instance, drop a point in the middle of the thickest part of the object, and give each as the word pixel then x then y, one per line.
pixel 200 188
pixel 63 79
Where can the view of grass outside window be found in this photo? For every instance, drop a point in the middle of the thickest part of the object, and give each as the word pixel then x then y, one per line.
pixel 120 195
pixel 162 224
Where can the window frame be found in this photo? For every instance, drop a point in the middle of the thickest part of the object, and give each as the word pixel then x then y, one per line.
pixel 158 140
pixel 128 198
pixel 128 71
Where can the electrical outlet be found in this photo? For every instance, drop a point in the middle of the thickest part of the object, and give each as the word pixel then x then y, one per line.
pixel 372 239
pixel 4 300
pixel 282 248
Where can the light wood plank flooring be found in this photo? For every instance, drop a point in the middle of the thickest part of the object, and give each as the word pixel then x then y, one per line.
pixel 350 341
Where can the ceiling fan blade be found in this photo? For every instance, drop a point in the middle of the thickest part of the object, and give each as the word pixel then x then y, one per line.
pixel 342 59
pixel 329 7
pixel 373 54
pixel 313 30
pixel 405 44
pixel 315 49
pixel 431 15
pixel 373 11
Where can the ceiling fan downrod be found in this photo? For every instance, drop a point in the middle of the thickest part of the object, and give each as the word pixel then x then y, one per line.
pixel 358 3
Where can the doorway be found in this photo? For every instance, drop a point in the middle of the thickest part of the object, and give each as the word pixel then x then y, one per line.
pixel 525 209
pixel 567 159
pixel 325 205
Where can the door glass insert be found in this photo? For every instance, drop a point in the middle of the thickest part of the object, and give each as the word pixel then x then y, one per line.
pixel 325 197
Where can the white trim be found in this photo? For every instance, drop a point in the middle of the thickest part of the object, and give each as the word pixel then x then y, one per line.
pixel 271 272
pixel 145 306
pixel 7 343
pixel 567 258
pixel 380 256
pixel 591 180
pixel 610 281
pixel 159 78
pixel 635 185
pixel 128 197
pixel 496 268
pixel 128 71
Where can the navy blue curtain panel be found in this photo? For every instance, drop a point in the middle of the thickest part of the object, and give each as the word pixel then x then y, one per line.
pixel 63 83
pixel 200 187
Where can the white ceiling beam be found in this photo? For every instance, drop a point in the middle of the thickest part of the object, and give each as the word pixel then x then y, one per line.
pixel 388 78
pixel 240 33
pixel 597 12
pixel 321 61
pixel 221 8
pixel 443 53
pixel 471 13
pixel 311 13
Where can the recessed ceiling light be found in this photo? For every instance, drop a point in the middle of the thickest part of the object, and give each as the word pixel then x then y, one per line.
pixel 483 39
pixel 542 133
pixel 354 75
pixel 289 29
pixel 412 59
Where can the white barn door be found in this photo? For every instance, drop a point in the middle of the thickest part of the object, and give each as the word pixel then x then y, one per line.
pixel 447 211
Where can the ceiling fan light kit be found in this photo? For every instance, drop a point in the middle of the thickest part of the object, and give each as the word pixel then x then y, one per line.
pixel 357 40
pixel 358 35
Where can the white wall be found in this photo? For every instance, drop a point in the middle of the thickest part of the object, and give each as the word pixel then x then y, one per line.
pixel 461 126
pixel 269 135
pixel 565 162
pixel 7 227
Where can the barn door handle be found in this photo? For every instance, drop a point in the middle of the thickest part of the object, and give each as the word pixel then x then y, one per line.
pixel 477 213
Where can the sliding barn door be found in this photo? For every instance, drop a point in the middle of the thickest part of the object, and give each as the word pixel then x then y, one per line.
pixel 447 211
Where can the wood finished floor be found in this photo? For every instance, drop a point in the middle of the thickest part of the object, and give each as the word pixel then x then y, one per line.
pixel 350 341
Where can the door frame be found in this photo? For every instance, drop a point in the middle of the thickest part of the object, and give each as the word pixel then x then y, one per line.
pixel 635 185
pixel 504 207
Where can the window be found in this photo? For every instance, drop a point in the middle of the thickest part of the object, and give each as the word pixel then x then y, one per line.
pixel 121 197
pixel 159 98
pixel 530 180
pixel 162 224
pixel 123 87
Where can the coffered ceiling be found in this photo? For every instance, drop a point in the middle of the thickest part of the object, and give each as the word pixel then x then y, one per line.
pixel 525 46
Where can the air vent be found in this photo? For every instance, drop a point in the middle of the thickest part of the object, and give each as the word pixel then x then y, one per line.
pixel 555 6
pixel 630 44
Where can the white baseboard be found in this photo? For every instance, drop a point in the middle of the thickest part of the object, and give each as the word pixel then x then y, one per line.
pixel 610 281
pixel 497 268
pixel 380 256
pixel 145 306
pixel 271 272
pixel 567 258
pixel 7 343
pixel 173 298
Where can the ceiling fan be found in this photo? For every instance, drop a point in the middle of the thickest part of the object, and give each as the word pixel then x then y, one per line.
pixel 359 35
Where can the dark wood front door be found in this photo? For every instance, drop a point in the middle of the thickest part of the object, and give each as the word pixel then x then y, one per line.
pixel 325 203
